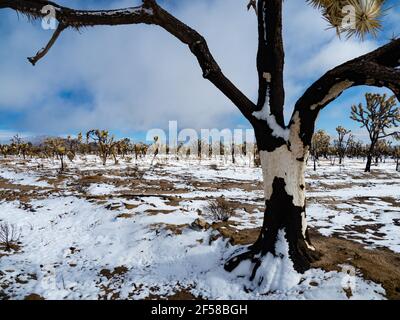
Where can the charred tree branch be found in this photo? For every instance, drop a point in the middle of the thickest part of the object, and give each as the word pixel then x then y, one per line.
pixel 378 68
pixel 42 52
pixel 270 58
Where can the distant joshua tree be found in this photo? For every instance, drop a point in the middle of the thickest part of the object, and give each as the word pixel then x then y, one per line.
pixel 319 146
pixel 378 116
pixel 106 144
pixel 341 144
pixel 19 146
pixel 57 147
pixel 5 150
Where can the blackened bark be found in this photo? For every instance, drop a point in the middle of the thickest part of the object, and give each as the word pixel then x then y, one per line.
pixel 369 157
pixel 280 213
pixel 369 162
pixel 270 57
pixel 62 163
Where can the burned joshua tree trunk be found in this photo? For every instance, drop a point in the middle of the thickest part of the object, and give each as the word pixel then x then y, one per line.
pixel 283 148
pixel 282 153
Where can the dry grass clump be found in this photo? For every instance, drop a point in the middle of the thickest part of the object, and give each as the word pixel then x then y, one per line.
pixel 9 237
pixel 219 209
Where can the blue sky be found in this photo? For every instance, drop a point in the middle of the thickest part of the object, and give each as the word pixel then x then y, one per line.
pixel 131 79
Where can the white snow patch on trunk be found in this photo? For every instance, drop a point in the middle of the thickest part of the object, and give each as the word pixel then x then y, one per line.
pixel 265 114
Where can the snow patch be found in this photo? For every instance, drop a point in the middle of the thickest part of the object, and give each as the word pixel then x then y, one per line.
pixel 277 273
pixel 265 114
pixel 22 178
pixel 101 189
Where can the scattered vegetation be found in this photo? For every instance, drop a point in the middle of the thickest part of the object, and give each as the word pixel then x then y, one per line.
pixel 56 147
pixel 219 209
pixel 9 237
pixel 380 117
pixel 106 144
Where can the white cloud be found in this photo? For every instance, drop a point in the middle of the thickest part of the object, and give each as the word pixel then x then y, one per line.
pixel 140 77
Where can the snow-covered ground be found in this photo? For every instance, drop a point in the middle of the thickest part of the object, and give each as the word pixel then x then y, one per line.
pixel 126 231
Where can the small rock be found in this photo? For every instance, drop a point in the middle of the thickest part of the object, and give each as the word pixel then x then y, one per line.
pixel 200 224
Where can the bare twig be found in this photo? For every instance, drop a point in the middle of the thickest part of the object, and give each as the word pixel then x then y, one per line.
pixel 42 52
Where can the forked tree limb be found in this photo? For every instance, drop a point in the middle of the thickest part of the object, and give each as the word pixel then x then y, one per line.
pixel 148 13
pixel 252 4
pixel 393 134
pixel 378 68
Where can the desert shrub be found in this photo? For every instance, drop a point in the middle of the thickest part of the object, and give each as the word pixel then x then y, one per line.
pixel 9 236
pixel 219 209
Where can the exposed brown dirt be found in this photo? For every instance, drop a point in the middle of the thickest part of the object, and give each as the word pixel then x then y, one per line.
pixel 154 212
pixel 378 265
pixel 173 228
pixel 130 206
pixel 118 271
pixel 34 296
pixel 183 294
pixel 125 216
pixel 11 192
pixel 235 236
pixel 98 178
pixel 226 185
pixel 55 181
